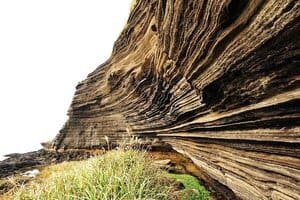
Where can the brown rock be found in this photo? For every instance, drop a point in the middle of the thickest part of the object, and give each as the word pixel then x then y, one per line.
pixel 164 164
pixel 217 80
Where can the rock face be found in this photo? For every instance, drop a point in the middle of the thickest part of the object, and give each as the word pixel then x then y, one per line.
pixel 219 80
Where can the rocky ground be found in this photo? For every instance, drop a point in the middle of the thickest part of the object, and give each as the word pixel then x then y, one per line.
pixel 18 163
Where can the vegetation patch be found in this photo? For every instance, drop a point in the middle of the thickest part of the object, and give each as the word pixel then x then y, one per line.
pixel 117 175
pixel 193 190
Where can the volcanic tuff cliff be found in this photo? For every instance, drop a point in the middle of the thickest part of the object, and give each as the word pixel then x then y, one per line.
pixel 219 80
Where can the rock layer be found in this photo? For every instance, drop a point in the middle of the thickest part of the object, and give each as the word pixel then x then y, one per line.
pixel 219 80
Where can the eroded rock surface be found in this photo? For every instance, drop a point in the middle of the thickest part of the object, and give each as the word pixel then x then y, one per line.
pixel 20 163
pixel 219 80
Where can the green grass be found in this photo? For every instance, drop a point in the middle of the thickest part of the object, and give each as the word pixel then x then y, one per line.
pixel 191 183
pixel 117 175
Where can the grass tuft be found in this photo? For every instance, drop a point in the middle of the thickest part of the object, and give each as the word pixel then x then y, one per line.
pixel 116 175
pixel 124 174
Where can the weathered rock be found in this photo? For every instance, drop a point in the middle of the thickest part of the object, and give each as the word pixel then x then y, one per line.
pixel 20 163
pixel 218 80
pixel 164 164
pixel 31 173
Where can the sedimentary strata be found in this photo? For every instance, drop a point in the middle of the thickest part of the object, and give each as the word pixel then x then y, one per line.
pixel 219 80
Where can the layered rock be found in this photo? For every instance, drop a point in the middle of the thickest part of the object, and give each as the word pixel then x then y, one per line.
pixel 218 80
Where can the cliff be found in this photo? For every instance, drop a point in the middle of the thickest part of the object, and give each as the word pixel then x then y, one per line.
pixel 217 80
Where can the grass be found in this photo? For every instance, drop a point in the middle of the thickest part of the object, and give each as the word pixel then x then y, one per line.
pixel 10 184
pixel 116 175
pixel 191 183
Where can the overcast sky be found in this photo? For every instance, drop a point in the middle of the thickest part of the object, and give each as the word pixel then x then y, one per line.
pixel 46 48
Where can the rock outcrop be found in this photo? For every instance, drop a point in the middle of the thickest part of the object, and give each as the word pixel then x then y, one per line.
pixel 219 80
pixel 19 163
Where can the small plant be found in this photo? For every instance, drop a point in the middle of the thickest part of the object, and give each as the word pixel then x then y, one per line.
pixel 107 142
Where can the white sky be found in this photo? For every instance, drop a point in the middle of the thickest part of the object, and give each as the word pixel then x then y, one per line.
pixel 46 48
